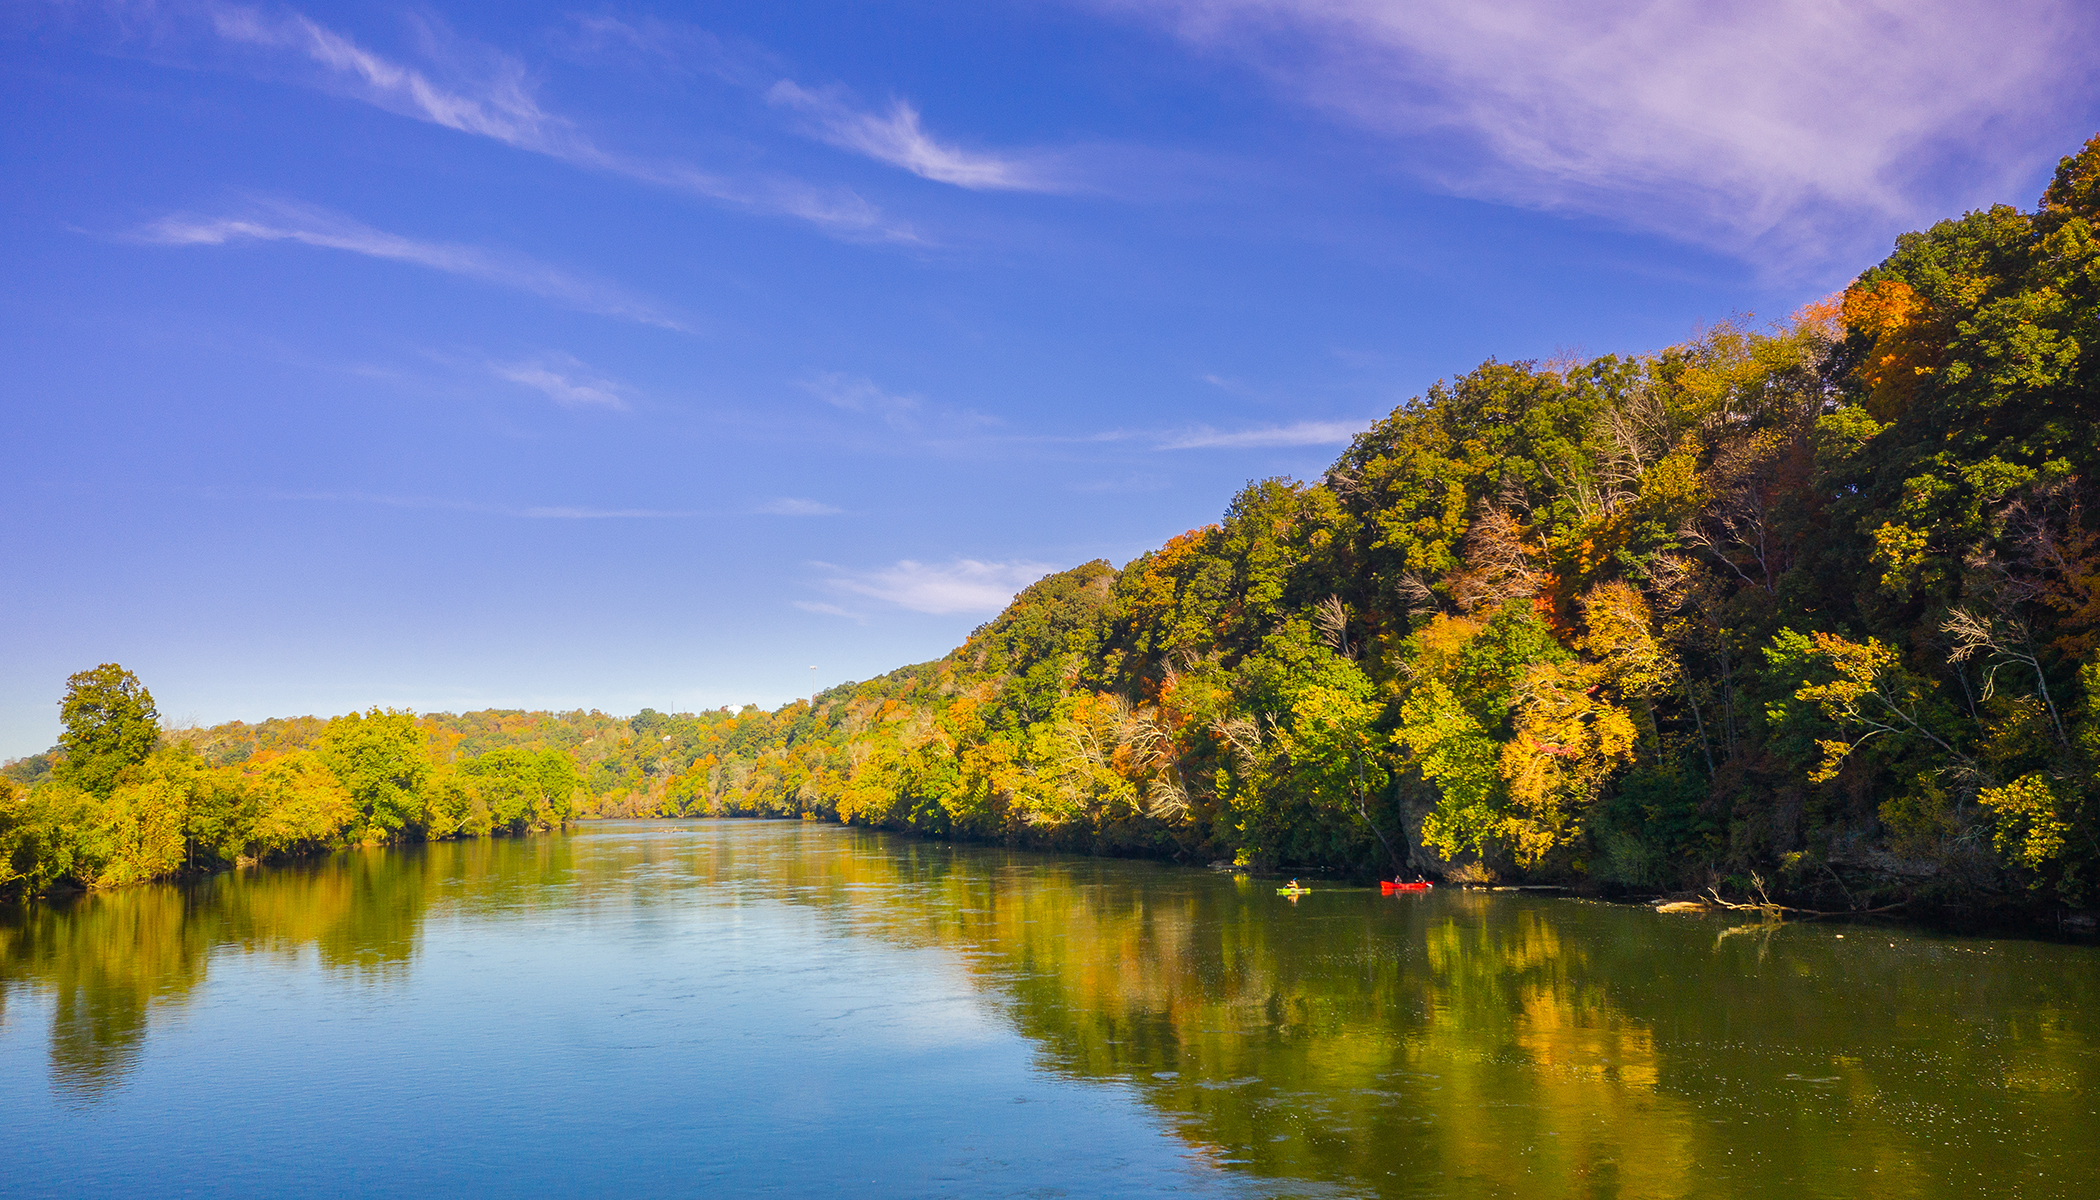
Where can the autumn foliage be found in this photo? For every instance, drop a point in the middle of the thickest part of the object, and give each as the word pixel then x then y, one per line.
pixel 1817 601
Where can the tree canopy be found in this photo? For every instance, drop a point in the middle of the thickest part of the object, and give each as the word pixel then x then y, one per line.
pixel 110 724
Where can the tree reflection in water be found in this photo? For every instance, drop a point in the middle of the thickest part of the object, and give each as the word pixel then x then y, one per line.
pixel 1456 1042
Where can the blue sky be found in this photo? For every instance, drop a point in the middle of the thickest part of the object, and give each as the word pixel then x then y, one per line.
pixel 533 355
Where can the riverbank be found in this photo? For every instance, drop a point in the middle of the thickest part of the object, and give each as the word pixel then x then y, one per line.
pixel 2009 919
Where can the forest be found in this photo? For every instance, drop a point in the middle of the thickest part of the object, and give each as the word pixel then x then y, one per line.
pixel 122 799
pixel 1810 607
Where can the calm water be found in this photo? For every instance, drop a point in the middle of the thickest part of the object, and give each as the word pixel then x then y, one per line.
pixel 739 1008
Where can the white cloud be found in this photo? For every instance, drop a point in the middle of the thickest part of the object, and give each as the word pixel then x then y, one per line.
pixel 858 393
pixel 562 379
pixel 1809 122
pixel 490 95
pixel 829 610
pixel 276 222
pixel 653 44
pixel 504 110
pixel 897 138
pixel 1304 433
pixel 963 586
pixel 790 506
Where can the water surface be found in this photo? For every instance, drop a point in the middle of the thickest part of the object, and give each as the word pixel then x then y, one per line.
pixel 749 1008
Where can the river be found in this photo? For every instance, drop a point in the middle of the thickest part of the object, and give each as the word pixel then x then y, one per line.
pixel 786 1008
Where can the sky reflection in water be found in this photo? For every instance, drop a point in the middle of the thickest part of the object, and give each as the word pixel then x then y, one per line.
pixel 744 1008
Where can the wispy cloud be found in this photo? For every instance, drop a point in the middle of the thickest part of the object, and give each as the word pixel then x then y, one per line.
pixel 279 222
pixel 1728 123
pixel 914 420
pixel 858 393
pixel 652 43
pixel 829 610
pixel 1304 433
pixel 791 506
pixel 962 586
pixel 490 94
pixel 563 380
pixel 896 137
pixel 504 108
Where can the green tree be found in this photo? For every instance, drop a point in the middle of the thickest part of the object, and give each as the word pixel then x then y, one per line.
pixel 1453 752
pixel 110 724
pixel 379 756
pixel 513 789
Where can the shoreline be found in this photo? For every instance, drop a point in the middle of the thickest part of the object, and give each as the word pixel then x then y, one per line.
pixel 1942 919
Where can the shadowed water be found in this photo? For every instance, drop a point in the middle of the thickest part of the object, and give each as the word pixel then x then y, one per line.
pixel 783 1008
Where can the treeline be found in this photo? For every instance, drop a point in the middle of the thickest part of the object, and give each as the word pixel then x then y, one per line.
pixel 1815 604
pixel 123 799
pixel 120 800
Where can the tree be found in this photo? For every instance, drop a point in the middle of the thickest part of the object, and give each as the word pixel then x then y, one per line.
pixel 110 725
pixel 298 804
pixel 1568 742
pixel 379 756
pixel 1454 753
pixel 512 789
pixel 144 823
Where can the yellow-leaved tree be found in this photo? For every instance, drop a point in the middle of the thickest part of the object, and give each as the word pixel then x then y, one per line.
pixel 1569 740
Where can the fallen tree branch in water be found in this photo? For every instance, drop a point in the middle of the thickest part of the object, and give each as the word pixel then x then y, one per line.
pixel 1775 911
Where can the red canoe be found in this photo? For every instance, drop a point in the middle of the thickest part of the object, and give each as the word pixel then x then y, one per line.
pixel 1388 887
